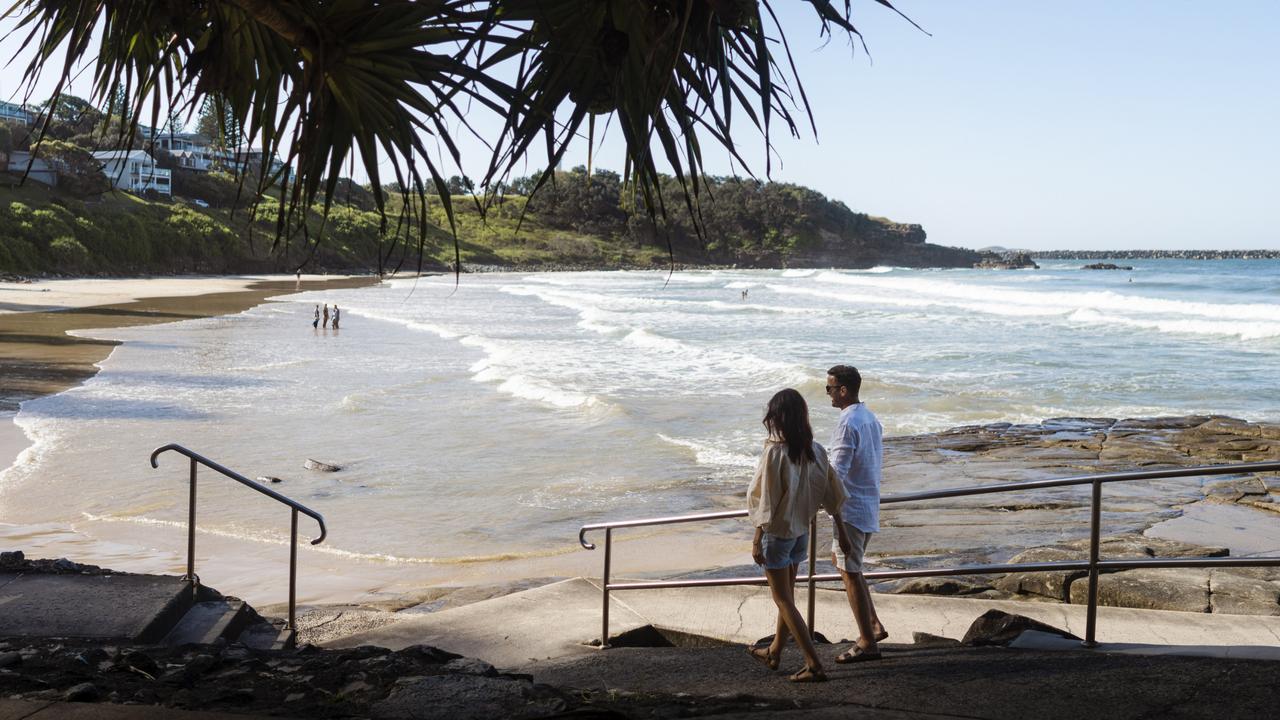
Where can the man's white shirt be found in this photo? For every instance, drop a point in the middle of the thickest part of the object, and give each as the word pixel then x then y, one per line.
pixel 856 451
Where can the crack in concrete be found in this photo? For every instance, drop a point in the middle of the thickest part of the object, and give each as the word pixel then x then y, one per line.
pixel 12 580
pixel 329 621
pixel 741 620
pixel 38 710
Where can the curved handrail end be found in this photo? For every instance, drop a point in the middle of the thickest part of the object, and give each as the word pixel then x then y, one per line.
pixel 324 532
pixel 582 540
pixel 163 448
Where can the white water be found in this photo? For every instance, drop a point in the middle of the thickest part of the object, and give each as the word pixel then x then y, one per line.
pixel 480 425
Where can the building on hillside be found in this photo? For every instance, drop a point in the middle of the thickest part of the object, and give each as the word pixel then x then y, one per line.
pixel 190 151
pixel 194 151
pixel 250 158
pixel 10 111
pixel 134 171
pixel 37 169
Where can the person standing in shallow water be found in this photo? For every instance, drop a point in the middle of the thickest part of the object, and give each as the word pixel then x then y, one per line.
pixel 325 324
pixel 316 323
pixel 793 479
pixel 857 452
pixel 337 315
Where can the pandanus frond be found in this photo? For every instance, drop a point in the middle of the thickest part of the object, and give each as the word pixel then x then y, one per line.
pixel 391 82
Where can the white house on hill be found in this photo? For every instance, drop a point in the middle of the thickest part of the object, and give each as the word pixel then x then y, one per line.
pixel 191 151
pixel 135 171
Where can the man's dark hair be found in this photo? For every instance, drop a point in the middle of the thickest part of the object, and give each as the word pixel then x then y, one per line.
pixel 848 376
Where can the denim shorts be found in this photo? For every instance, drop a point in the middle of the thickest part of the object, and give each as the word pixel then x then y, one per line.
pixel 784 552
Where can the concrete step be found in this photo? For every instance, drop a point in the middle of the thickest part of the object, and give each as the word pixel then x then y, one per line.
pixel 208 621
pixel 268 636
pixel 105 606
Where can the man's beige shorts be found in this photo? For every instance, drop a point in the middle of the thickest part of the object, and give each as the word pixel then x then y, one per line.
pixel 853 562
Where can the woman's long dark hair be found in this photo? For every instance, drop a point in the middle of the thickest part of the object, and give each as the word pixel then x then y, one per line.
pixel 787 418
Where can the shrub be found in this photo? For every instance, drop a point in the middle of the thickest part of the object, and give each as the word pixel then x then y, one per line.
pixel 21 255
pixel 68 254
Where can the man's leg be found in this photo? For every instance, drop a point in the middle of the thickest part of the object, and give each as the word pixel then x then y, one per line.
pixel 870 630
pixel 864 610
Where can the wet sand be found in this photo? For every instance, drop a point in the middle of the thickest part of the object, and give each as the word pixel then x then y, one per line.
pixel 38 357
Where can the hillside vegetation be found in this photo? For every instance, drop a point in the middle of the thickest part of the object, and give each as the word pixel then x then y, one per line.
pixel 577 222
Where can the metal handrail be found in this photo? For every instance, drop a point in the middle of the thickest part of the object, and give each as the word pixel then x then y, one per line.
pixel 295 508
pixel 1093 565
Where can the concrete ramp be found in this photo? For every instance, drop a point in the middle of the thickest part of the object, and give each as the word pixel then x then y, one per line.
pixel 137 608
pixel 558 620
pixel 745 614
pixel 512 631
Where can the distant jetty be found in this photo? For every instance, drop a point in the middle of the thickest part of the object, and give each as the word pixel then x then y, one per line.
pixel 1157 254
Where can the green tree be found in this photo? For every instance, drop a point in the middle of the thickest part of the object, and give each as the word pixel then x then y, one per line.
pixel 78 172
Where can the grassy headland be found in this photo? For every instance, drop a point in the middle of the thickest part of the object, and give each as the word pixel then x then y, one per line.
pixel 578 222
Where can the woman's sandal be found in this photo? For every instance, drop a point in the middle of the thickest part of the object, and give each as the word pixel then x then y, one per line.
pixel 762 654
pixel 857 654
pixel 808 675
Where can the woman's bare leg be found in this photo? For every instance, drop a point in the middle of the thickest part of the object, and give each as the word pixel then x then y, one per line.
pixel 782 585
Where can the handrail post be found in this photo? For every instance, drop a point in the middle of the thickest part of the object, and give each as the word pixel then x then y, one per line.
pixel 813 570
pixel 293 569
pixel 1095 534
pixel 191 527
pixel 604 586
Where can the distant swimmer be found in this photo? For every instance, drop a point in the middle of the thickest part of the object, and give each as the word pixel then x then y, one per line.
pixel 325 324
pixel 316 323
pixel 744 294
pixel 337 315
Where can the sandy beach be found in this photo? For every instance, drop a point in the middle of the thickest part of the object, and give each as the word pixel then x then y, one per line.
pixel 38 357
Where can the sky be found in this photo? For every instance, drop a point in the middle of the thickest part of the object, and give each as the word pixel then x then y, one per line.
pixel 1093 124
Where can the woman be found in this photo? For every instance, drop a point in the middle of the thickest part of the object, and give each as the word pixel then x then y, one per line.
pixel 793 478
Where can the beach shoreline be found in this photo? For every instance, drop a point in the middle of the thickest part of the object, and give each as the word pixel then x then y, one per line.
pixel 39 357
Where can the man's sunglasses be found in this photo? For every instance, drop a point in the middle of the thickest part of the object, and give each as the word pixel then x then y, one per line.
pixel 831 389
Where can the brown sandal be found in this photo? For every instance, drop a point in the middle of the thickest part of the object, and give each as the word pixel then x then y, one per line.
pixel 808 675
pixel 857 654
pixel 763 655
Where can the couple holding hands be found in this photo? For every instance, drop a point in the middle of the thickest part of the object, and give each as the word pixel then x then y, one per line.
pixel 794 478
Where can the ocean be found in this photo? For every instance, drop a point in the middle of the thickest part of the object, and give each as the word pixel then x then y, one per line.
pixel 478 424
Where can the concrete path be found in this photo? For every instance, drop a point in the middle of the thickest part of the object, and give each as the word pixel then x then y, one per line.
pixel 745 614
pixel 511 631
pixel 918 682
pixel 523 630
pixel 107 607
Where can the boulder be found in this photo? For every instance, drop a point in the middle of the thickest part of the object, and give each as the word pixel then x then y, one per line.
pixel 1055 585
pixel 1238 594
pixel 954 585
pixel 1181 589
pixel 1106 266
pixel 320 466
pixel 995 627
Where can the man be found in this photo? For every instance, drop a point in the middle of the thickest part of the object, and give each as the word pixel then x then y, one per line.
pixel 856 453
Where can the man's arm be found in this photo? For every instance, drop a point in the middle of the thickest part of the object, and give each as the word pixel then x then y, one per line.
pixel 844 443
